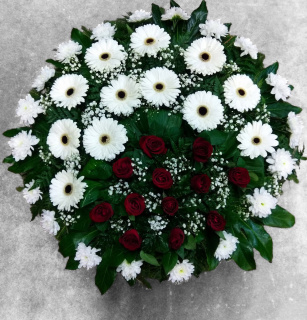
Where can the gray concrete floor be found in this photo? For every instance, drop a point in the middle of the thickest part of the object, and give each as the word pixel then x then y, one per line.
pixel 33 282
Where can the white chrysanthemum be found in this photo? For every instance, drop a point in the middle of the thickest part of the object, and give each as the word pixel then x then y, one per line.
pixel 49 223
pixel 103 31
pixel 63 138
pixel 121 96
pixel 175 13
pixel 296 126
pixel 181 272
pixel 45 75
pixel 31 196
pixel 213 28
pixel 130 270
pixel 203 111
pixel 226 246
pixel 139 15
pixel 241 93
pixel 105 55
pixel 68 50
pixel 205 56
pixel 69 90
pixel 261 203
pixel 149 39
pixel 22 145
pixel 256 140
pixel 247 47
pixel 28 109
pixel 281 88
pixel 160 86
pixel 66 190
pixel 281 163
pixel 104 139
pixel 87 256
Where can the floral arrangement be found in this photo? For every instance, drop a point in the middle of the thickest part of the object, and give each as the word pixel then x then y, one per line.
pixel 157 147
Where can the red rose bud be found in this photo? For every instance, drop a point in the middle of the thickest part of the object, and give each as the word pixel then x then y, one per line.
pixel 202 150
pixel 216 221
pixel 162 178
pixel 131 240
pixel 122 168
pixel 134 204
pixel 170 205
pixel 201 183
pixel 102 212
pixel 176 239
pixel 239 176
pixel 152 145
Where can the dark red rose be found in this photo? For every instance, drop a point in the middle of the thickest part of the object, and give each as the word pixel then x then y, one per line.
pixel 162 178
pixel 131 240
pixel 176 239
pixel 170 205
pixel 239 176
pixel 134 204
pixel 102 212
pixel 202 150
pixel 122 168
pixel 152 145
pixel 200 183
pixel 216 221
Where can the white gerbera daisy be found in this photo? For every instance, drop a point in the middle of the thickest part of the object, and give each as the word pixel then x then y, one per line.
pixel 87 256
pixel 68 50
pixel 213 28
pixel 296 126
pixel 149 39
pixel 241 93
pixel 247 47
pixel 226 246
pixel 261 203
pixel 256 140
pixel 66 190
pixel 28 109
pixel 31 196
pixel 139 15
pixel 22 145
pixel 281 88
pixel 103 31
pixel 181 272
pixel 160 86
pixel 45 75
pixel 203 111
pixel 104 139
pixel 175 13
pixel 281 163
pixel 205 56
pixel 63 138
pixel 49 223
pixel 69 90
pixel 121 96
pixel 130 270
pixel 105 55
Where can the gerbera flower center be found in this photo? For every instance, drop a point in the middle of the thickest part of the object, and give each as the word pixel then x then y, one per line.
pixel 64 139
pixel 104 139
pixel 241 92
pixel 70 92
pixel 121 94
pixel 159 86
pixel 202 111
pixel 68 189
pixel 149 41
pixel 105 56
pixel 205 56
pixel 256 140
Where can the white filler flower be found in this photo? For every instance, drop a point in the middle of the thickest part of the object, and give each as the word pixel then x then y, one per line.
pixel 175 13
pixel 103 31
pixel 49 223
pixel 226 246
pixel 28 109
pixel 181 272
pixel 203 111
pixel 69 90
pixel 87 256
pixel 45 75
pixel 241 93
pixel 31 196
pixel 281 88
pixel 281 163
pixel 139 15
pixel 296 128
pixel 22 145
pixel 130 270
pixel 256 140
pixel 205 56
pixel 160 86
pixel 63 138
pixel 261 203
pixel 213 28
pixel 149 39
pixel 68 50
pixel 104 139
pixel 247 47
pixel 66 190
pixel 121 96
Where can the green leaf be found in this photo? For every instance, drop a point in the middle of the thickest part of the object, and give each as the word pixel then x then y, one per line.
pixel 9 159
pixel 282 109
pixel 149 258
pixel 55 63
pixel 174 4
pixel 13 132
pixel 156 14
pixel 26 165
pixel 83 223
pixel 114 255
pixel 105 277
pixel 191 243
pixel 255 168
pixel 97 169
pixel 169 261
pixel 198 16
pixel 215 137
pixel 229 147
pixel 212 240
pixel 262 75
pixel 279 218
pixel 81 38
pixel 72 264
pixel 92 193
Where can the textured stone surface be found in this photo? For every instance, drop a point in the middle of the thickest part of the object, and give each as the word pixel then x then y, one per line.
pixel 34 284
